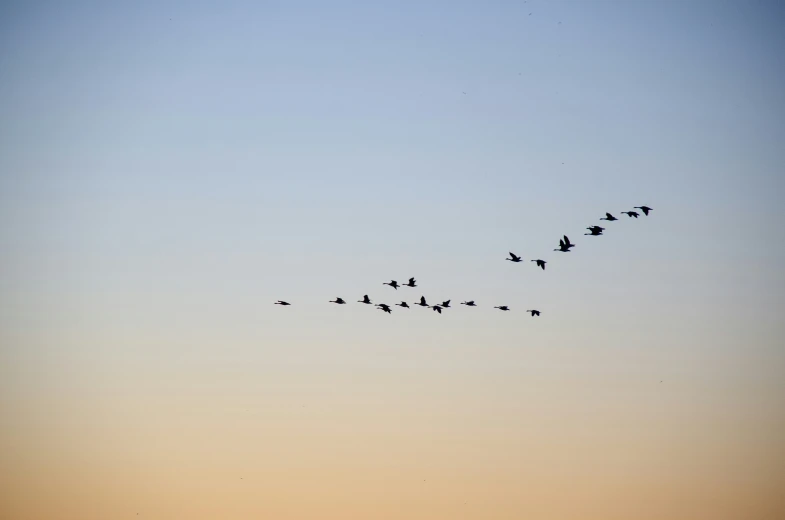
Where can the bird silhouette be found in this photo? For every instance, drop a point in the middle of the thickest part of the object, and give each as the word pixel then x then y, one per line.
pixel 609 217
pixel 644 209
pixel 565 245
pixel 595 231
pixel 437 309
pixel 365 300
pixel 540 263
pixel 386 308
pixel 534 312
pixel 470 303
pixel 412 283
pixel 339 301
pixel 514 258
pixel 631 213
pixel 403 304
pixel 281 302
pixel 422 302
pixel 502 308
pixel 392 284
pixel 445 304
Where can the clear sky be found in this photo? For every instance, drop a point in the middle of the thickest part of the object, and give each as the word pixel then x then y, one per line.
pixel 168 170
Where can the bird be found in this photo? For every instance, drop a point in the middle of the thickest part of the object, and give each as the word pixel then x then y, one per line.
pixel 534 312
pixel 281 302
pixel 412 283
pixel 540 263
pixel 339 301
pixel 502 308
pixel 609 217
pixel 470 303
pixel 644 209
pixel 595 231
pixel 437 309
pixel 385 308
pixel 365 300
pixel 445 304
pixel 564 245
pixel 514 258
pixel 631 213
pixel 392 284
pixel 422 302
pixel 404 305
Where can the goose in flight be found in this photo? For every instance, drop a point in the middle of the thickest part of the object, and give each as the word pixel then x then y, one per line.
pixel 595 231
pixel 404 305
pixel 422 302
pixel 534 312
pixel 437 309
pixel 412 283
pixel 281 302
pixel 540 263
pixel 339 301
pixel 514 258
pixel 445 304
pixel 365 300
pixel 609 217
pixel 564 245
pixel 631 213
pixel 470 303
pixel 385 308
pixel 644 209
pixel 392 284
pixel 502 308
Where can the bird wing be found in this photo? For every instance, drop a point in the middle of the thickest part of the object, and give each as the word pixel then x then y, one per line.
pixel 566 240
pixel 422 300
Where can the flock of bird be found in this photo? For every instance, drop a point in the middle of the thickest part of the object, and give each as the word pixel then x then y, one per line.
pixel 564 246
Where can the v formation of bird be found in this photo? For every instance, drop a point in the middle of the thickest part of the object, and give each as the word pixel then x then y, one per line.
pixel 564 247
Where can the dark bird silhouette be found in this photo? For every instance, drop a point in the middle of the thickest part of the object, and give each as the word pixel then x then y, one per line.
pixel 437 309
pixel 281 302
pixel 534 312
pixel 365 300
pixel 609 217
pixel 386 308
pixel 470 303
pixel 540 263
pixel 644 209
pixel 392 284
pixel 339 301
pixel 595 231
pixel 514 258
pixel 422 302
pixel 564 245
pixel 445 304
pixel 502 308
pixel 412 283
pixel 631 213
pixel 403 304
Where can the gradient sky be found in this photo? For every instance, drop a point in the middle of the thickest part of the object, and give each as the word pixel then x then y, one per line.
pixel 168 170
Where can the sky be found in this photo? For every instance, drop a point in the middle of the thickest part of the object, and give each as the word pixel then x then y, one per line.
pixel 168 170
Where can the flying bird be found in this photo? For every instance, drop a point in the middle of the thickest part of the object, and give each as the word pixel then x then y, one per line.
pixel 631 213
pixel 339 301
pixel 502 308
pixel 445 304
pixel 609 217
pixel 437 309
pixel 534 312
pixel 644 209
pixel 514 258
pixel 540 263
pixel 564 245
pixel 403 304
pixel 412 283
pixel 422 302
pixel 281 302
pixel 365 300
pixel 385 308
pixel 595 231
pixel 470 303
pixel 392 284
